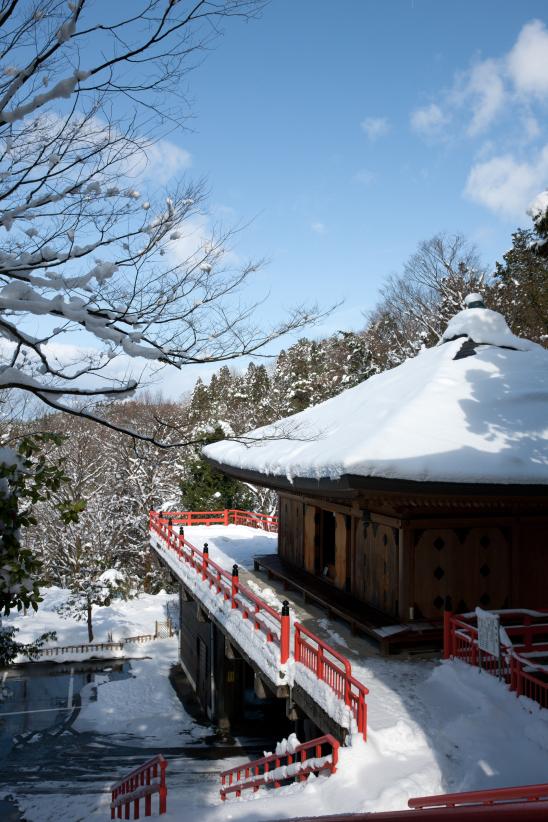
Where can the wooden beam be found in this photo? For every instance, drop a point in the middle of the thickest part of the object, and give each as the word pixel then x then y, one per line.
pixel 327 505
pixel 341 542
pixel 405 573
pixel 310 539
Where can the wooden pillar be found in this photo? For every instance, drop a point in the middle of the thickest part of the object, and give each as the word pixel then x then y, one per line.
pixel 341 543
pixel 405 572
pixel 310 538
pixel 515 591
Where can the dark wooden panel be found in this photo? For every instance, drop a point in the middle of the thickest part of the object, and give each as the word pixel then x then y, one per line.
pixel 341 542
pixel 310 533
pixel 471 565
pixel 533 565
pixel 375 578
pixel 291 530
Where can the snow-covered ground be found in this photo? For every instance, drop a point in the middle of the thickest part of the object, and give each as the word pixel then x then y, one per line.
pixel 229 544
pixel 433 727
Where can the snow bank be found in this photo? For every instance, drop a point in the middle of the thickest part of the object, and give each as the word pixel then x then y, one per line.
pixel 121 619
pixel 482 418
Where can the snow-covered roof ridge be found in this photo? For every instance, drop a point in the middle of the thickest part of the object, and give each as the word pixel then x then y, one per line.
pixel 484 327
pixel 441 416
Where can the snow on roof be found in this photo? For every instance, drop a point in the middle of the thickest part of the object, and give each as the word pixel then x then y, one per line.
pixel 480 418
pixel 484 326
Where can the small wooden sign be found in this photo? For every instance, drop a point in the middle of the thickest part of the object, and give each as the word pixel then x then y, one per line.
pixel 488 632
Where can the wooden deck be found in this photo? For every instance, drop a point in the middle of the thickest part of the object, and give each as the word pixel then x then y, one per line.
pixel 391 635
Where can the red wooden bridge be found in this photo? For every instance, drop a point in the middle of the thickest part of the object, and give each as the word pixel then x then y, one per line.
pixel 294 642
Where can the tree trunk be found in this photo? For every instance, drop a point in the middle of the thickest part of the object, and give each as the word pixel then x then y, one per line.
pixel 90 626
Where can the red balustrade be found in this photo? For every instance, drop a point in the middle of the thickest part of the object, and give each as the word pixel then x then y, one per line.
pixel 264 618
pixel 523 664
pixel 328 665
pixel 495 796
pixel 228 516
pixel 318 755
pixel 335 670
pixel 141 783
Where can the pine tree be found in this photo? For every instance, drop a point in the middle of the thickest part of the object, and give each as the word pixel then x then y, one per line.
pixel 520 288
pixel 206 489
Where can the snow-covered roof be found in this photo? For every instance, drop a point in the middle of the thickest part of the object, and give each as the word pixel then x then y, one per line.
pixel 473 409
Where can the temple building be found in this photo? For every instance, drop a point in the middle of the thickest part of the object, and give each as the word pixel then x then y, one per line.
pixel 427 481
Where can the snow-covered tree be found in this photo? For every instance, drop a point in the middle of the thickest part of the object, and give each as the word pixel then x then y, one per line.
pixel 10 647
pixel 95 274
pixel 520 288
pixel 28 476
pixel 83 97
pixel 120 479
pixel 416 305
pixel 87 590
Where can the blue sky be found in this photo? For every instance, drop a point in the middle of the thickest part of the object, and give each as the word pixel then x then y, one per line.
pixel 348 132
pixel 342 134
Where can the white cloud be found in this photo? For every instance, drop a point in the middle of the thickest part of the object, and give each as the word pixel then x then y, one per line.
pixel 505 185
pixel 365 176
pixel 159 162
pixel 428 120
pixel 528 60
pixel 507 85
pixel 318 228
pixel 165 160
pixel 531 128
pixel 375 127
pixel 486 92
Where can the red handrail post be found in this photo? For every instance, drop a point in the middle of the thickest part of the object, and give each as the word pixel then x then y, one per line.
pixel 319 663
pixel 285 633
pixel 225 512
pixel 205 558
pixel 297 647
pixel 163 787
pixel 235 581
pixel 447 629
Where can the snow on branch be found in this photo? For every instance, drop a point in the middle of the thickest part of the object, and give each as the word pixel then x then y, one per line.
pixel 82 252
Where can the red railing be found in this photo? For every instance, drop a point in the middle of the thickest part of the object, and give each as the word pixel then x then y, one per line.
pixel 229 516
pixel 141 783
pixel 523 661
pixel 495 796
pixel 264 618
pixel 335 670
pixel 275 769
pixel 328 665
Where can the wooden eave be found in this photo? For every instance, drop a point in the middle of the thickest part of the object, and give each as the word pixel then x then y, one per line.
pixel 405 498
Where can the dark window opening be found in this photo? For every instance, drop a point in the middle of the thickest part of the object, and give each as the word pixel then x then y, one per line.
pixel 327 544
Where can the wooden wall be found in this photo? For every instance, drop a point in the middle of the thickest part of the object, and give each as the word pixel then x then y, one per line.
pixel 291 530
pixel 375 566
pixel 493 564
pixel 472 565
pixel 531 564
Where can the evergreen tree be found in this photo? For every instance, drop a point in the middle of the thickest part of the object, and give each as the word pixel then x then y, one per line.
pixel 206 489
pixel 520 288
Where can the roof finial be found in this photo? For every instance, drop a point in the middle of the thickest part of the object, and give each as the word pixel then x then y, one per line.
pixel 474 301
